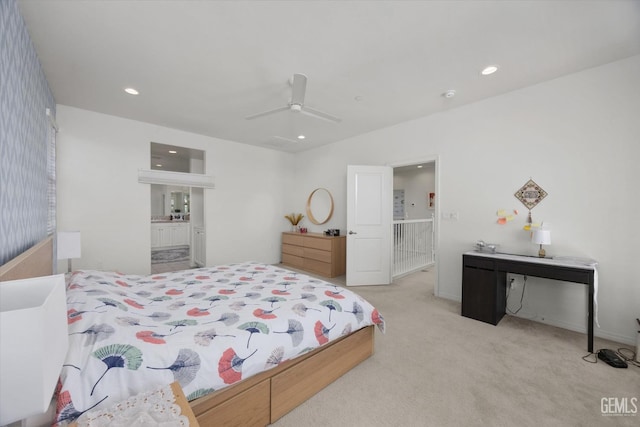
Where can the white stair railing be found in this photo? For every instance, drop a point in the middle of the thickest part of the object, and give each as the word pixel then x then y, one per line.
pixel 413 247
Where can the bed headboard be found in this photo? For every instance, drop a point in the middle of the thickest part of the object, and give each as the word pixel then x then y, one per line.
pixel 34 262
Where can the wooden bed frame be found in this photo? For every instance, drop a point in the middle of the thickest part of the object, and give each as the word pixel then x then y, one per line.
pixel 256 401
pixel 34 262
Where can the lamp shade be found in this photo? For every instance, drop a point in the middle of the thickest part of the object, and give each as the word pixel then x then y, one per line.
pixel 34 336
pixel 541 237
pixel 68 244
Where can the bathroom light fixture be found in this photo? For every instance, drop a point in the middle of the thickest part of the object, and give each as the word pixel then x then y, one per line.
pixel 489 70
pixel 131 91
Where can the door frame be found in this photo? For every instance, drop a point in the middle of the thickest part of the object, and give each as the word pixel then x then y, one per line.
pixel 436 216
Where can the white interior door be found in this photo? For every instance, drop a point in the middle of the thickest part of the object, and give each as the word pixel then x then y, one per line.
pixel 369 218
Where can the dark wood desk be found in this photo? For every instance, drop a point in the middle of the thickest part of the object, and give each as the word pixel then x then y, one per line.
pixel 484 282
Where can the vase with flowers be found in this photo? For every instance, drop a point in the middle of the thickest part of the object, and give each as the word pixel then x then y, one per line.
pixel 294 219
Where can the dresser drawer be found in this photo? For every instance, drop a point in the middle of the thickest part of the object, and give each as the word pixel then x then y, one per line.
pixel 292 239
pixel 317 254
pixel 292 260
pixel 317 243
pixel 292 250
pixel 322 268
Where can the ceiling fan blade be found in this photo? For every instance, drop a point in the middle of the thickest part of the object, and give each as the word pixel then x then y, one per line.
pixel 266 113
pixel 319 114
pixel 298 89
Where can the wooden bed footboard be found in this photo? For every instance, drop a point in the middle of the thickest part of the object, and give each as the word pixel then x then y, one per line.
pixel 34 262
pixel 266 397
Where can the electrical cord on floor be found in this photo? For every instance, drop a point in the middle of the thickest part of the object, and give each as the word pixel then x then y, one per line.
pixel 629 357
pixel 524 286
pixel 595 356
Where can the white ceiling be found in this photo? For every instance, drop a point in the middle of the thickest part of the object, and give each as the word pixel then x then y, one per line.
pixel 203 66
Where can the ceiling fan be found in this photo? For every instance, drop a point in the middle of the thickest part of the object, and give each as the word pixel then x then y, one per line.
pixel 298 89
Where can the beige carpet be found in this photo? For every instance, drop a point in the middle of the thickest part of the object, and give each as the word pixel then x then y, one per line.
pixel 434 367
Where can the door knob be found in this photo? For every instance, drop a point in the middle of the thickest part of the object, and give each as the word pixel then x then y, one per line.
pixel 352 232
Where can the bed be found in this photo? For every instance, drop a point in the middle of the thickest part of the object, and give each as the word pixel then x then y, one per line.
pixel 301 334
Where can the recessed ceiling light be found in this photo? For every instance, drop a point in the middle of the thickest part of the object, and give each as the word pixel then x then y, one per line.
pixel 419 166
pixel 301 136
pixel 158 165
pixel 449 94
pixel 489 70
pixel 131 91
pixel 173 151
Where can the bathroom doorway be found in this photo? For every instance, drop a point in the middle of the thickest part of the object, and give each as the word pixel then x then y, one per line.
pixel 170 228
pixel 177 212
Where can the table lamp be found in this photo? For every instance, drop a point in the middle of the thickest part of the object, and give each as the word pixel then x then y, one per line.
pixel 68 246
pixel 34 336
pixel 541 236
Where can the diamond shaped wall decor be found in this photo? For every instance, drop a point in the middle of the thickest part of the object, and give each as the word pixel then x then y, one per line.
pixel 530 194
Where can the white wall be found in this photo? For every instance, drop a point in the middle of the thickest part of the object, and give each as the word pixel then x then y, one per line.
pixel 576 136
pixel 98 160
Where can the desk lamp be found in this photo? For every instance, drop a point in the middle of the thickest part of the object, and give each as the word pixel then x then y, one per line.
pixel 34 335
pixel 541 236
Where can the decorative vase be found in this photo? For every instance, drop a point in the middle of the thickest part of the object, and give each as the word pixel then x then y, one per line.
pixel 294 228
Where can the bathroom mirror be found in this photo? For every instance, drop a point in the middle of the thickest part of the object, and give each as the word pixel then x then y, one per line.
pixel 166 200
pixel 319 206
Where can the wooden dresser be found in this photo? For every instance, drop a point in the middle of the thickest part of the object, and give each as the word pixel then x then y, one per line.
pixel 315 252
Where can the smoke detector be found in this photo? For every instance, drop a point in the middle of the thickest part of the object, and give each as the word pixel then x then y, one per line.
pixel 449 94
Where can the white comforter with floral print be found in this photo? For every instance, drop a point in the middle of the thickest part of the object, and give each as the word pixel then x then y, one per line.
pixel 205 328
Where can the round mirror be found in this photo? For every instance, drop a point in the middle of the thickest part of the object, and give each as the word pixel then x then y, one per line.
pixel 319 206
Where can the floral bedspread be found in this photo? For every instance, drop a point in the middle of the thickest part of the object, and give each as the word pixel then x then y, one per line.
pixel 205 328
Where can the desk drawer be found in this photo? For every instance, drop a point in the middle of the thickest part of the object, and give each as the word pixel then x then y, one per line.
pixel 568 274
pixel 478 262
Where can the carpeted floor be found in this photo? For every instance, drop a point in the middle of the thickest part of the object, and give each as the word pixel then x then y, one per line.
pixel 173 254
pixel 434 367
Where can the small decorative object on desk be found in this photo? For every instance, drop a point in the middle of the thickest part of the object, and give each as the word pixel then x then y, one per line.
pixel 294 219
pixel 481 246
pixel 541 236
pixel 160 407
